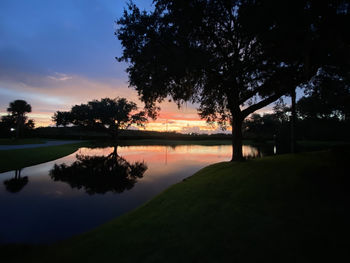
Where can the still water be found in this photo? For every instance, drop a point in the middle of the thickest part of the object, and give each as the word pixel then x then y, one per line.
pixel 55 200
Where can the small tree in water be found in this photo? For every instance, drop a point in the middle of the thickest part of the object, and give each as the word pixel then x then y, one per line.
pixel 100 174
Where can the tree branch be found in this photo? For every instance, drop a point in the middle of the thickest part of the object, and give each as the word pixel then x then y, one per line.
pixel 261 104
pixel 250 93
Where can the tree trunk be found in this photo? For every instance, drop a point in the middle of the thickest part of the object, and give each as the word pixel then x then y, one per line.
pixel 18 128
pixel 116 141
pixel 237 155
pixel 292 122
pixel 115 150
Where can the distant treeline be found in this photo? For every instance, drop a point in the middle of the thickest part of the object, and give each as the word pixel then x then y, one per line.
pixel 257 128
pixel 269 127
pixel 82 133
pixel 312 123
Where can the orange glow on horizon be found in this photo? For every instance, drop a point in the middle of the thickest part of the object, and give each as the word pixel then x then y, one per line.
pixel 167 121
pixel 67 90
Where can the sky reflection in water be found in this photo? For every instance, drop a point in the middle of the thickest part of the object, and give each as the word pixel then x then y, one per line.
pixel 44 210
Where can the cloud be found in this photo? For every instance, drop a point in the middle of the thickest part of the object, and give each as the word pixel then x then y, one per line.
pixel 189 130
pixel 60 77
pixel 203 129
pixel 60 91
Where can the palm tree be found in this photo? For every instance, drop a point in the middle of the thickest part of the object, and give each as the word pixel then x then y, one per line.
pixel 18 110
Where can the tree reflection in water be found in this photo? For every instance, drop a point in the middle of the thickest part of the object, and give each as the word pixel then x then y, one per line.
pixel 100 174
pixel 16 184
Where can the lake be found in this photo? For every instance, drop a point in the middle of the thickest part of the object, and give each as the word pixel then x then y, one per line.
pixel 58 199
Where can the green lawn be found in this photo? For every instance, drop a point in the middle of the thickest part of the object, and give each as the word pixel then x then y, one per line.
pixel 321 144
pixel 16 159
pixel 21 141
pixel 287 208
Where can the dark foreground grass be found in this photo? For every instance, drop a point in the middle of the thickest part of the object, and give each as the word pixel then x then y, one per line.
pixel 288 208
pixel 17 159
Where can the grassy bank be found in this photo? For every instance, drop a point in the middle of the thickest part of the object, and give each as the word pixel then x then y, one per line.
pixel 288 208
pixel 16 159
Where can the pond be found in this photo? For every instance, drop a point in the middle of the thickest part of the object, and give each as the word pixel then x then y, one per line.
pixel 58 199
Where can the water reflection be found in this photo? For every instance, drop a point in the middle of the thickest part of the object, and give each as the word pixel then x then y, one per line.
pixel 99 174
pixel 17 183
pixel 46 210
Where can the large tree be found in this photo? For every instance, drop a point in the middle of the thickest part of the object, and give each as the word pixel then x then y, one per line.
pixel 200 51
pixel 111 115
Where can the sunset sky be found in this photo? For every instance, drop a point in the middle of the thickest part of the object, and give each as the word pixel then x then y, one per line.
pixel 58 53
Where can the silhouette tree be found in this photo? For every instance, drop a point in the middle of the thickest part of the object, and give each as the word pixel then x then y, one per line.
pixel 328 96
pixel 200 51
pixel 317 39
pixel 61 118
pixel 17 111
pixel 100 174
pixel 111 115
pixel 262 126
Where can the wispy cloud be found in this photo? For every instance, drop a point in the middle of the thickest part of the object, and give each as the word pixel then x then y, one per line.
pixel 60 77
pixel 61 91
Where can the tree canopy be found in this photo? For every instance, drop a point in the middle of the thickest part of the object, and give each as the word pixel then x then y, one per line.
pixel 231 57
pixel 19 108
pixel 62 118
pixel 200 51
pixel 328 96
pixel 112 115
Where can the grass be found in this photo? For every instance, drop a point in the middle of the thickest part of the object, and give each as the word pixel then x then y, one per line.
pixel 21 141
pixel 287 208
pixel 321 144
pixel 16 159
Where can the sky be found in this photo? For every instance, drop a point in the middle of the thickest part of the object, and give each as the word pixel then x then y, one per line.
pixel 58 53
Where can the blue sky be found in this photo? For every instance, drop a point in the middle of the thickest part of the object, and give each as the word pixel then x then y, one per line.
pixel 75 36
pixel 55 53
pixel 58 53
